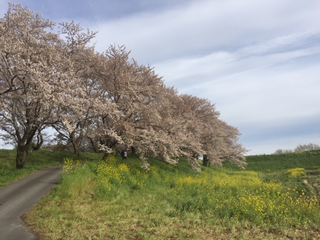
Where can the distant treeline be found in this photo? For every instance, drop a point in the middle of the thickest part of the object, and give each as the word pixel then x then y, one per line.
pixel 300 148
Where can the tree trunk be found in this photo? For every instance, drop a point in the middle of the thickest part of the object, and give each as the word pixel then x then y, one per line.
pixel 105 156
pixel 76 148
pixel 36 147
pixel 133 150
pixel 24 145
pixel 206 162
pixel 75 143
pixel 95 148
pixel 39 143
pixel 21 156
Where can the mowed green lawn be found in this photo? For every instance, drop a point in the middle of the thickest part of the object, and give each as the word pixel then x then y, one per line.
pixel 275 197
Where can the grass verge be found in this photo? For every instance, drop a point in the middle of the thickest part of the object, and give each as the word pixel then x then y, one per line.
pixel 35 161
pixel 116 199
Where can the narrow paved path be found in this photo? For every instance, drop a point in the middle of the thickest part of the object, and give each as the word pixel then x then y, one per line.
pixel 18 197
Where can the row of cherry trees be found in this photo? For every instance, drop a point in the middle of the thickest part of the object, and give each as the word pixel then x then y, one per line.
pixel 56 79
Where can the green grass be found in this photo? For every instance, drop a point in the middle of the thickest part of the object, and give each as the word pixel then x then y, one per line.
pixel 273 198
pixel 278 162
pixel 35 161
pixel 116 199
pixel 275 167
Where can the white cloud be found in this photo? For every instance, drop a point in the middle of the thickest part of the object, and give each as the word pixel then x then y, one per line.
pixel 266 89
pixel 257 60
pixel 283 43
pixel 227 67
pixel 207 26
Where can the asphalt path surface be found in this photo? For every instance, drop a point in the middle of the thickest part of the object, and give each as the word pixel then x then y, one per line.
pixel 16 198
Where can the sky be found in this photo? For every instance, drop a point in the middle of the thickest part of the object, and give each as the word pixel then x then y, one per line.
pixel 257 61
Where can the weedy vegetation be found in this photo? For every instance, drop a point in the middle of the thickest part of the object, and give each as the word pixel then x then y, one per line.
pixel 36 160
pixel 117 199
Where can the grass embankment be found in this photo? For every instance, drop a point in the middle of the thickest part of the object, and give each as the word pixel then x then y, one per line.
pixel 277 162
pixel 300 169
pixel 35 161
pixel 116 199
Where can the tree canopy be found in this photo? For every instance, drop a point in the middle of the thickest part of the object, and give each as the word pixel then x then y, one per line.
pixel 56 79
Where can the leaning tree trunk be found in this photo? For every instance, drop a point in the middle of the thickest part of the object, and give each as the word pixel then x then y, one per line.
pixel 75 141
pixel 39 143
pixel 110 144
pixel 206 162
pixel 94 145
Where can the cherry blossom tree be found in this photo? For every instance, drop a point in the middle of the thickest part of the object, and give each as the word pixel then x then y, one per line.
pixel 219 141
pixel 58 80
pixel 29 69
pixel 133 89
pixel 158 122
pixel 85 104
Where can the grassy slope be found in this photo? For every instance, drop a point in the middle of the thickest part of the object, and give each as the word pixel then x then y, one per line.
pixel 155 205
pixel 175 203
pixel 35 161
pixel 275 167
pixel 278 162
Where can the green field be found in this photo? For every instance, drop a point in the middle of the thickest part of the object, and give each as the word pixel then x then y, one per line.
pixel 275 168
pixel 275 197
pixel 35 161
